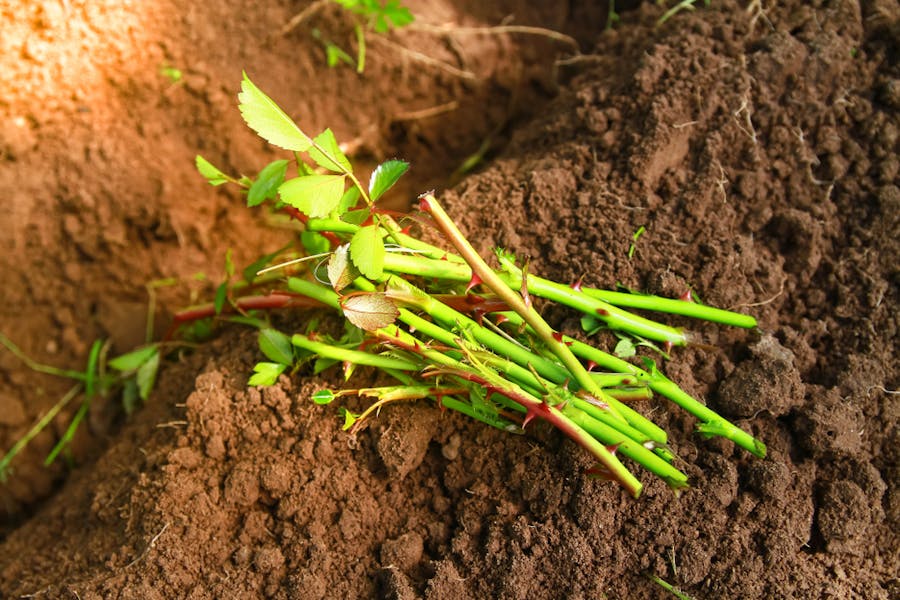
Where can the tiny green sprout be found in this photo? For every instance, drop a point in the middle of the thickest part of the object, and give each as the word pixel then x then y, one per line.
pixel 612 17
pixel 683 5
pixel 634 238
pixel 668 587
pixel 373 16
pixel 171 73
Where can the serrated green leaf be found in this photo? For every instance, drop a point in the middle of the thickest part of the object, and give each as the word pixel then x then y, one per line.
pixel 314 242
pixel 211 173
pixel 327 153
pixel 367 251
pixel 266 373
pixel 341 271
pixel 265 117
pixel 385 176
pixel 146 376
pixel 323 397
pixel 267 182
pixel 369 311
pixel 132 360
pixel 276 346
pixel 314 195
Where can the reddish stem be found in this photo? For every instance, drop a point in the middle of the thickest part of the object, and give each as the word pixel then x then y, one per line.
pixel 272 301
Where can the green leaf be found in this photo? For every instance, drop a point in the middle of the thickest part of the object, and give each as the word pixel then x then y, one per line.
pixel 272 124
pixel 266 373
pixel 323 363
pixel 334 55
pixel 329 156
pixel 276 346
pixel 212 174
pixel 221 297
pixel 625 348
pixel 341 271
pixel 356 217
pixel 367 251
pixel 349 418
pixel 146 376
pixel 392 14
pixel 369 311
pixel 250 271
pixel 132 360
pixel 348 200
pixel 314 242
pixel 229 263
pixel 591 324
pixel 130 396
pixel 248 321
pixel 323 397
pixel 314 195
pixel 267 182
pixel 385 176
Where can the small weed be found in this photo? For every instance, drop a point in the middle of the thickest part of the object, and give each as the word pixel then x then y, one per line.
pixel 683 5
pixel 369 17
pixel 669 587
pixel 131 375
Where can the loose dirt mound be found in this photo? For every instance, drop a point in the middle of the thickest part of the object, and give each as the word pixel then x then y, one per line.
pixel 759 150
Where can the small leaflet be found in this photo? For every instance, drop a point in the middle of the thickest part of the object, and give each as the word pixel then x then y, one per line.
pixel 341 271
pixel 369 311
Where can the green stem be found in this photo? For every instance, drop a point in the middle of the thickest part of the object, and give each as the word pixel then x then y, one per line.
pixel 453 403
pixel 357 357
pixel 487 275
pixel 38 367
pixel 712 422
pixel 544 288
pixel 676 307
pixel 611 315
pixel 628 447
pixel 535 407
pixel 39 426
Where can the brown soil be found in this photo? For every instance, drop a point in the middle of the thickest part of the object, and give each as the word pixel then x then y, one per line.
pixel 758 149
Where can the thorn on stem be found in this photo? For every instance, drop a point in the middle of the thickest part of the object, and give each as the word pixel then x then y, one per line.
pixel 600 472
pixel 687 296
pixel 475 280
pixel 577 285
pixel 591 365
